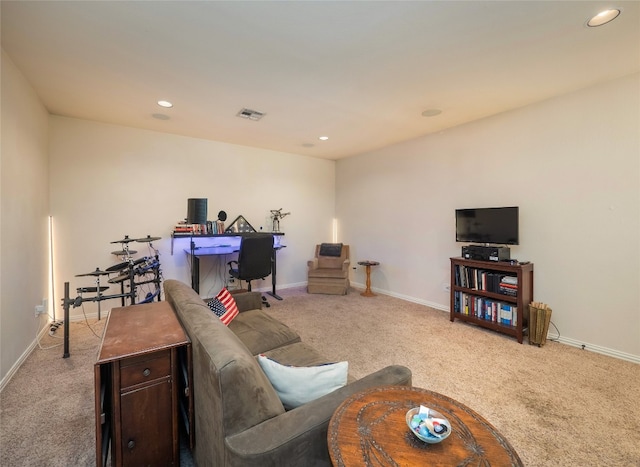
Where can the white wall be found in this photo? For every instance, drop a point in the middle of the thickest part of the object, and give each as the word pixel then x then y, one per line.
pixel 570 163
pixel 109 181
pixel 23 216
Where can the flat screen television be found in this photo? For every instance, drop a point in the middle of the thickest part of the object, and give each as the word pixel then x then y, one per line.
pixel 487 225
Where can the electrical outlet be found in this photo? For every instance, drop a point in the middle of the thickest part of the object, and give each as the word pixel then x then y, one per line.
pixel 40 309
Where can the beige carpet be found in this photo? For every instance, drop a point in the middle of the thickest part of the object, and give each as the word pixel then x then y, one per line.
pixel 47 409
pixel 557 405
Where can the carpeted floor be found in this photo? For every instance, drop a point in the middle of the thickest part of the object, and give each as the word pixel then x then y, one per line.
pixel 557 405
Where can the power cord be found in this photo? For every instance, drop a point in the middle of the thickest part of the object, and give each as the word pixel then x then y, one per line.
pixel 39 337
pixel 86 320
pixel 557 338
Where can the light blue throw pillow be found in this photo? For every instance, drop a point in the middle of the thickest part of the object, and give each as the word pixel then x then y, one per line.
pixel 297 385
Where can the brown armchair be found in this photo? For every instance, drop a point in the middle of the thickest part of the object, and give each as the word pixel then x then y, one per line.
pixel 329 269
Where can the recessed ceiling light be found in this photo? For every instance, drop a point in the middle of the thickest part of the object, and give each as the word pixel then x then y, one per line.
pixel 603 17
pixel 431 112
pixel 323 138
pixel 165 104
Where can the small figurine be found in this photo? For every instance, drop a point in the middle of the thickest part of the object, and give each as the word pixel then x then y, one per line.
pixel 276 215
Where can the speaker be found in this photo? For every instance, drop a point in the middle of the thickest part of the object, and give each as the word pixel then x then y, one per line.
pixel 486 253
pixel 197 211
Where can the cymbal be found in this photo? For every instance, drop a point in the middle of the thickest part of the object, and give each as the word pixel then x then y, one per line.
pixel 124 252
pixel 126 239
pixel 118 267
pixel 97 272
pixel 148 238
pixel 118 279
pixel 91 289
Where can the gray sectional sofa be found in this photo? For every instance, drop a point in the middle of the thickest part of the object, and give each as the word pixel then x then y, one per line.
pixel 239 418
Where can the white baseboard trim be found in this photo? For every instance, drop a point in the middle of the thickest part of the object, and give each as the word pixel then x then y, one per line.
pixel 280 287
pixel 563 340
pixel 406 298
pixel 16 366
pixel 34 345
pixel 597 349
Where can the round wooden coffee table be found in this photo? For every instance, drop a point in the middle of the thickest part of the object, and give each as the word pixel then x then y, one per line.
pixel 369 429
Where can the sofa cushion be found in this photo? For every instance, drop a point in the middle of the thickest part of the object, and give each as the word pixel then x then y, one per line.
pixel 297 354
pixel 328 273
pixel 224 306
pixel 247 300
pixel 300 354
pixel 261 332
pixel 297 385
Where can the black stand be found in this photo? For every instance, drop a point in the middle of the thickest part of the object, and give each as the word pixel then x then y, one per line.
pixel 195 268
pixel 273 274
pixel 66 301
pixel 76 302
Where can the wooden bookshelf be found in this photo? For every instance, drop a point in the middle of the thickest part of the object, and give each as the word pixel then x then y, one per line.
pixel 481 295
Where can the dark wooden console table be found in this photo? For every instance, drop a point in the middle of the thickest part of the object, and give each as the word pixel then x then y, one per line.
pixel 142 384
pixel 369 429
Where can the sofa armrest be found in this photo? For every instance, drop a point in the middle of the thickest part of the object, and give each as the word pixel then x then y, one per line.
pixel 248 301
pixel 313 264
pixel 299 436
pixel 345 264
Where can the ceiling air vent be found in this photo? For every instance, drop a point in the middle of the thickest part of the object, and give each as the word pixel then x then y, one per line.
pixel 250 114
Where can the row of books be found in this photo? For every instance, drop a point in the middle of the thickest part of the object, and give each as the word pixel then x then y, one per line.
pixel 486 309
pixel 509 286
pixel 189 229
pixel 216 227
pixel 481 279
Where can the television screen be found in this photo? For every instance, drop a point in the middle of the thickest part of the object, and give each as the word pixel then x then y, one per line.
pixel 487 225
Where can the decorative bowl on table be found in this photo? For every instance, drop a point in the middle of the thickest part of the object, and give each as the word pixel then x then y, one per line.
pixel 428 425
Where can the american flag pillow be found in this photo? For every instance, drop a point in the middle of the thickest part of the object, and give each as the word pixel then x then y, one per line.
pixel 224 306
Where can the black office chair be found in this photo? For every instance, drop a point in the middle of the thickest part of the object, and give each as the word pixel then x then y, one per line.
pixel 254 259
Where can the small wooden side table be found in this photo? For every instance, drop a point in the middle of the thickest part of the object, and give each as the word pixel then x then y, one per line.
pixel 369 429
pixel 141 375
pixel 367 264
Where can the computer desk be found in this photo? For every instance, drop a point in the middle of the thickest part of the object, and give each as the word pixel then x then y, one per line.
pixel 196 252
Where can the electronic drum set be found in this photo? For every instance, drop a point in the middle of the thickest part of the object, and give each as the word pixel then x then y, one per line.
pixel 133 276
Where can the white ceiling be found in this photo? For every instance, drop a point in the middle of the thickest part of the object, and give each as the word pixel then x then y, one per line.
pixel 360 72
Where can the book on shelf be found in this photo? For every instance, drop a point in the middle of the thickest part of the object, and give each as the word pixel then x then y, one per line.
pixel 189 229
pixel 485 280
pixel 512 280
pixel 509 292
pixel 219 227
pixel 508 286
pixel 506 314
pixel 485 309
